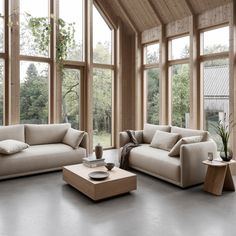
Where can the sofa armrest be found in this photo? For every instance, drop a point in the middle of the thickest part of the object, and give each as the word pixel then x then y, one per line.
pixel 124 137
pixel 84 142
pixel 191 157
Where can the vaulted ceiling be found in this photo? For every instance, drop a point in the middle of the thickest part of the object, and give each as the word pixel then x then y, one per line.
pixel 141 15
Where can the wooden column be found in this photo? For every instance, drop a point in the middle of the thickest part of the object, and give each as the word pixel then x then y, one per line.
pixel 164 108
pixel 14 98
pixel 195 108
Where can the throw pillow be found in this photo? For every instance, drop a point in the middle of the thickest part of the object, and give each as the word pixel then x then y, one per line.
pixel 11 146
pixel 73 137
pixel 175 151
pixel 164 140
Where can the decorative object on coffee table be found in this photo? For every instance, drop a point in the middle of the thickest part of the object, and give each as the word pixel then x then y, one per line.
pixel 218 177
pixel 98 151
pixel 93 162
pixel 210 156
pixel 110 165
pixel 224 129
pixel 98 175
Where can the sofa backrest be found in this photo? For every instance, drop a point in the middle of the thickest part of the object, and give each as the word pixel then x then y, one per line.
pixel 45 134
pixel 189 132
pixel 149 131
pixel 15 132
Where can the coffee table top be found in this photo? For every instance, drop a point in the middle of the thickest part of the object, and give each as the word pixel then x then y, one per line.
pixel 83 171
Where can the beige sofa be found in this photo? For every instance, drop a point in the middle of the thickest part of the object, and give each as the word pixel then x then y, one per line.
pixel 47 149
pixel 185 169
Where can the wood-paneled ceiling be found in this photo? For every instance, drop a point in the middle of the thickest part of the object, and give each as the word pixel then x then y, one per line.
pixel 141 15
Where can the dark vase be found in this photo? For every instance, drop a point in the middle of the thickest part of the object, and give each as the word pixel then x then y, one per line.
pixel 226 155
pixel 98 151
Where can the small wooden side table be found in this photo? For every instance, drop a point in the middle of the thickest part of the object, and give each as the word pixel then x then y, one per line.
pixel 218 177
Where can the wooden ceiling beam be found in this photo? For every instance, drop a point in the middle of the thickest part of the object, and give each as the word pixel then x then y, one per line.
pixel 190 7
pixel 127 16
pixel 156 12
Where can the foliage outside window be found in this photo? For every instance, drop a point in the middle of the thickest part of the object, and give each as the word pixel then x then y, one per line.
pixel 1 90
pixel 34 92
pixel 152 95
pixel 180 95
pixel 151 54
pixel 71 97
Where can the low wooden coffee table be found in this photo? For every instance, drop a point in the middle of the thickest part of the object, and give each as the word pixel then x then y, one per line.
pixel 119 181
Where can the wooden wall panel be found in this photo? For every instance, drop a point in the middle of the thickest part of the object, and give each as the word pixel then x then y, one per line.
pixel 215 16
pixel 151 35
pixel 178 27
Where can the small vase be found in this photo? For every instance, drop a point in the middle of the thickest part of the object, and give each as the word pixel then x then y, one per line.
pixel 227 157
pixel 98 151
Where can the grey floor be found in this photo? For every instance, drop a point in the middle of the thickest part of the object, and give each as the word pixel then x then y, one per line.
pixel 44 205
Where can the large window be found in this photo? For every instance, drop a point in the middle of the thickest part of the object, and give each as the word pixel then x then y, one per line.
pixel 151 82
pixel 102 81
pixel 71 83
pixel 180 81
pixel 1 90
pixel 215 77
pixel 33 92
pixel 71 11
pixel 2 62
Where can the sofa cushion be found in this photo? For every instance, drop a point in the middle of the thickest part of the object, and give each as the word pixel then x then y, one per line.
pixel 15 132
pixel 10 146
pixel 38 158
pixel 45 134
pixel 164 140
pixel 149 131
pixel 155 161
pixel 189 132
pixel 175 151
pixel 73 137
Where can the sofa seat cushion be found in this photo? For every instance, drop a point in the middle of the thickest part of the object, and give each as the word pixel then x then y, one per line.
pixel 16 132
pixel 45 134
pixel 40 157
pixel 155 161
pixel 149 131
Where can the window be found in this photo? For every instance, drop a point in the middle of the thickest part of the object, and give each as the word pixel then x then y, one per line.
pixel 215 41
pixel 71 97
pixel 2 28
pixel 28 45
pixel 215 77
pixel 179 48
pixel 180 81
pixel 1 90
pixel 151 77
pixel 180 94
pixel 102 81
pixel 102 39
pixel 72 13
pixel 34 92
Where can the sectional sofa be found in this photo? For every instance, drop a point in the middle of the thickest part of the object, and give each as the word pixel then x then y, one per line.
pixel 171 153
pixel 50 147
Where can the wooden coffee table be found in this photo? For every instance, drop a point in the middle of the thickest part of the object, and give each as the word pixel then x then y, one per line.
pixel 218 177
pixel 119 181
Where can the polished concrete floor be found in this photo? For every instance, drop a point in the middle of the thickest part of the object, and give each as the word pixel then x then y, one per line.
pixel 44 205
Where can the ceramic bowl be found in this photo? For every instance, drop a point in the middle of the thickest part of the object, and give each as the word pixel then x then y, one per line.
pixel 109 165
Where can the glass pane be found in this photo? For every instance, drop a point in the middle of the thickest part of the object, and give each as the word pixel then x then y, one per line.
pixel 153 95
pixel 214 41
pixel 28 42
pixel 34 92
pixel 102 107
pixel 179 48
pixel 151 54
pixel 71 11
pixel 102 39
pixel 216 94
pixel 2 28
pixel 71 97
pixel 1 90
pixel 180 95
